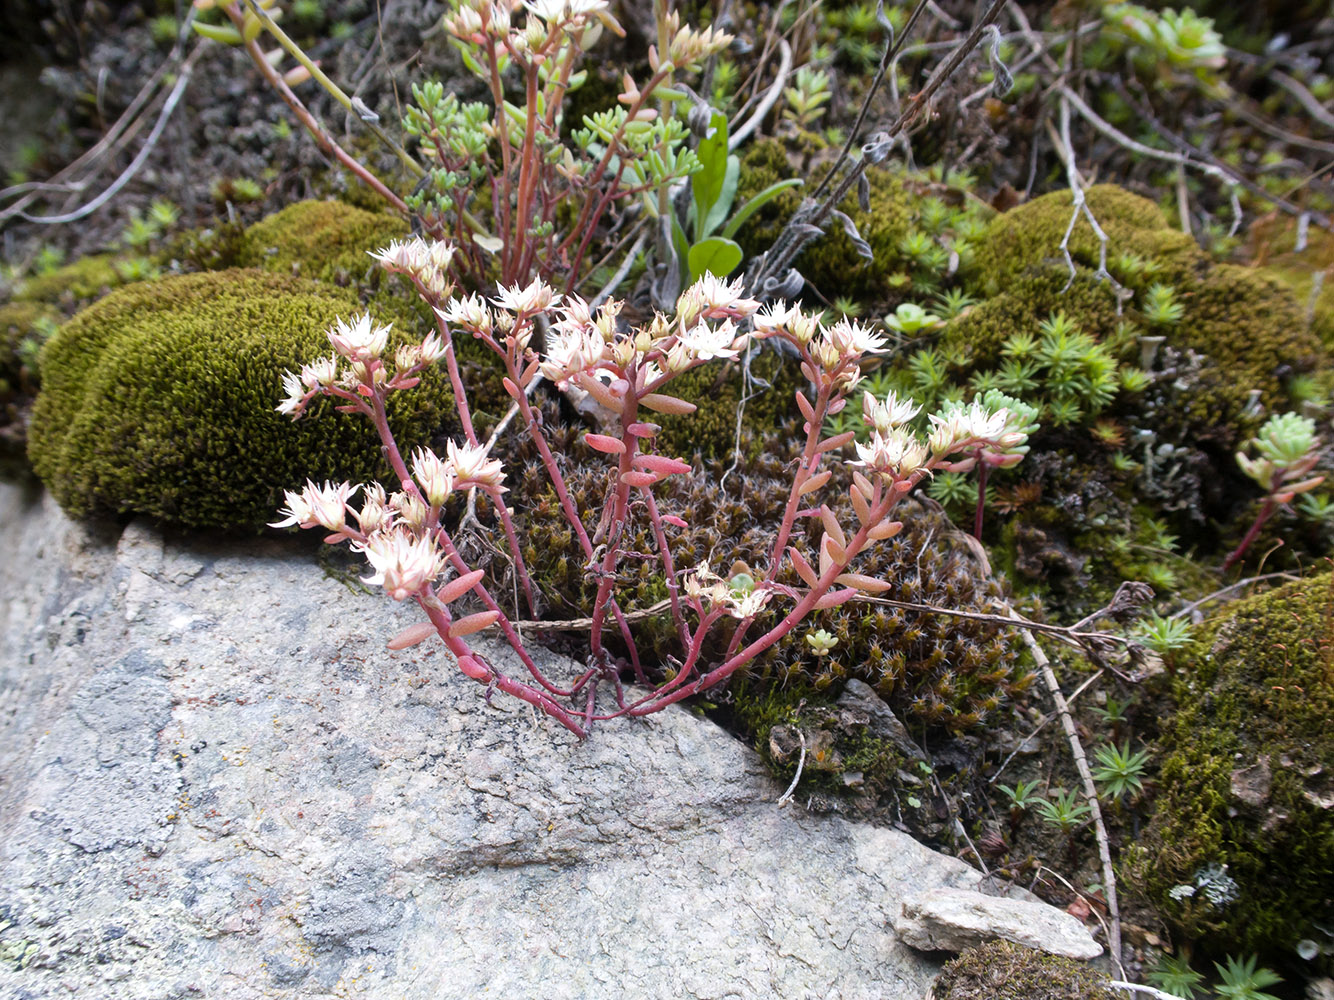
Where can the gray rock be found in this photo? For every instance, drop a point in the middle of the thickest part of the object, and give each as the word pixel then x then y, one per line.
pixel 1252 784
pixel 881 721
pixel 215 781
pixel 953 919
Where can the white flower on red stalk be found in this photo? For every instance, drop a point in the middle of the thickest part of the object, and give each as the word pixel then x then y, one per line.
pixel 435 477
pixel 410 356
pixel 317 506
pixel 649 373
pixel 297 395
pixel 359 339
pixel 713 297
pixel 576 349
pixel 746 603
pixel 471 313
pixel 533 299
pixel 410 510
pixel 896 452
pixel 404 563
pixel 464 22
pixel 432 349
pixel 853 340
pixel 320 374
pixel 678 358
pixel 426 260
pixel 889 413
pixel 375 514
pixel 703 583
pixel 471 466
pixel 706 343
pixel 558 10
pixel 780 319
pixel 973 423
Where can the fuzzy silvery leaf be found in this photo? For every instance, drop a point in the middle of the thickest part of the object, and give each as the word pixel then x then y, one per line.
pixel 1002 82
pixel 850 228
pixel 876 149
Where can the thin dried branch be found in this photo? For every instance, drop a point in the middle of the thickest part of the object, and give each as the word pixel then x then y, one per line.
pixel 1190 151
pixel 770 98
pixel 1080 207
pixel 1141 988
pixel 801 763
pixel 1090 793
pixel 126 175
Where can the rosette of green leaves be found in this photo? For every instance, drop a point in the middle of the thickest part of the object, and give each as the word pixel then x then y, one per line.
pixel 704 238
pixel 1287 447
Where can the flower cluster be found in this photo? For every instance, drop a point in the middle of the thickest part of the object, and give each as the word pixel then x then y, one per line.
pixel 832 356
pixel 588 349
pixel 994 436
pixel 424 261
pixel 360 343
pixel 708 590
pixel 625 368
pixel 396 532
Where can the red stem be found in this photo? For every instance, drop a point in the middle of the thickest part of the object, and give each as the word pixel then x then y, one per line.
pixel 1267 509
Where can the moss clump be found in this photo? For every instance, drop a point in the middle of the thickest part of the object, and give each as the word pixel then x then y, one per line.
pixel 1004 971
pixel 328 240
pixel 1031 234
pixel 160 399
pixel 87 278
pixel 1245 814
pixel 1250 326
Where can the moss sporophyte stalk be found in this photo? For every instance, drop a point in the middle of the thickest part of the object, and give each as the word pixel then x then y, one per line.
pixel 626 370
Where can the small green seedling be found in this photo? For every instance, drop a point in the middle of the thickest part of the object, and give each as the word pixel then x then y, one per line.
pixel 1119 771
pixel 1175 976
pixel 1063 810
pixel 713 189
pixel 1243 981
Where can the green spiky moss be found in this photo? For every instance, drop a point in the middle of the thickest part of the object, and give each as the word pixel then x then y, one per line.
pixel 1031 234
pixel 1256 696
pixel 830 263
pixel 160 399
pixel 1245 325
pixel 1001 970
pixel 23 325
pixel 328 240
pixel 87 278
pixel 937 671
pixel 1029 300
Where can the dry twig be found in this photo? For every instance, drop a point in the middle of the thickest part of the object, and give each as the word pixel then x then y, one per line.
pixel 1090 793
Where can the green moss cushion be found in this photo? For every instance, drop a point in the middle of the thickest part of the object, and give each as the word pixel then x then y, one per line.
pixel 159 399
pixel 86 278
pixel 1031 233
pixel 1244 818
pixel 328 240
